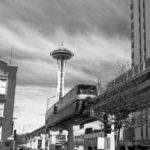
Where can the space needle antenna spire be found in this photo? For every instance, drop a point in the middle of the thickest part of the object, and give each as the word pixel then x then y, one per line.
pixel 61 55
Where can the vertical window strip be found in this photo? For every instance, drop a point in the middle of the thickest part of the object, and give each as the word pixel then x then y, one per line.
pixel 132 31
pixel 146 120
pixel 142 124
pixel 144 30
pixel 140 42
pixel 132 57
pixel 131 5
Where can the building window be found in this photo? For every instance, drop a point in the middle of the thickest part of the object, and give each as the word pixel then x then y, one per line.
pixel 132 35
pixel 0 133
pixel 132 15
pixel 132 25
pixel 131 5
pixel 3 84
pixel 132 45
pixel 1 109
pixel 143 4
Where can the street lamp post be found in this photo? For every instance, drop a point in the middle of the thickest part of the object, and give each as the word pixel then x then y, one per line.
pixel 24 126
pixel 14 134
pixel 47 138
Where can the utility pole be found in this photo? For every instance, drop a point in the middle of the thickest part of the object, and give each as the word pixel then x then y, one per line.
pixel 15 138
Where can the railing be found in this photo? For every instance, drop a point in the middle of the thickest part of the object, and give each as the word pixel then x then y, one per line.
pixel 131 73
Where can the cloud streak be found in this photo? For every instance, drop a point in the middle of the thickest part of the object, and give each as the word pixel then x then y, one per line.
pixel 72 16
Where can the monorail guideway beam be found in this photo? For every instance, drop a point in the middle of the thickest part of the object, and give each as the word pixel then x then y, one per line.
pixel 105 102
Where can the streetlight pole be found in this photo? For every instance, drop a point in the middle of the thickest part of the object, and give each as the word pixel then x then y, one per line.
pixel 25 125
pixel 47 138
pixel 14 134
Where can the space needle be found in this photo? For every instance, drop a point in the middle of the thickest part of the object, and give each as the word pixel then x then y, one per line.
pixel 61 55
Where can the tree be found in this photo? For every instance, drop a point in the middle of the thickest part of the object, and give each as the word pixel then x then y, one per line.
pixel 120 101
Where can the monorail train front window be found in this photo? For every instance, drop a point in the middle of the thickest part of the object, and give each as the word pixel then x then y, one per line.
pixel 90 90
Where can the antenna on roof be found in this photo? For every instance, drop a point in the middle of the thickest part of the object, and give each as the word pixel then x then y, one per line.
pixel 11 52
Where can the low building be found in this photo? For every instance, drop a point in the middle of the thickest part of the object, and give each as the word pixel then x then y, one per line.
pixel 38 139
pixel 96 140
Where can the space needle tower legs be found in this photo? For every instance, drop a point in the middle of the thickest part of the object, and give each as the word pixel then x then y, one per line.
pixel 62 55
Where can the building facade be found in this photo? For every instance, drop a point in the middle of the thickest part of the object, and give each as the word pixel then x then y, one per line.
pixel 79 142
pixel 140 30
pixel 142 129
pixel 7 95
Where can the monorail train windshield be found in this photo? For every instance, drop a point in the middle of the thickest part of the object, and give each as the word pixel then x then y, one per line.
pixel 87 89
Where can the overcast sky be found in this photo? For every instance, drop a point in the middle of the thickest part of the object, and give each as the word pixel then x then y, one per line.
pixel 96 31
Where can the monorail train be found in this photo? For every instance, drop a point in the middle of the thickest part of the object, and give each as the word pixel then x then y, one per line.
pixel 73 99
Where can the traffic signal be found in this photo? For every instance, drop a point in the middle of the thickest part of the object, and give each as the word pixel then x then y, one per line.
pixel 55 109
pixel 15 134
pixel 105 118
pixel 7 143
pixel 107 127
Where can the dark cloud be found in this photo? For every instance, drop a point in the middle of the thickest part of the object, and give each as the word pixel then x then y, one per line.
pixel 80 16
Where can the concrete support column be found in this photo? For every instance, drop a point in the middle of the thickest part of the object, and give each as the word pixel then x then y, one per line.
pixel 70 138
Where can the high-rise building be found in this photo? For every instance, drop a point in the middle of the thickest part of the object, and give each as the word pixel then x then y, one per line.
pixel 7 94
pixel 140 44
pixel 140 30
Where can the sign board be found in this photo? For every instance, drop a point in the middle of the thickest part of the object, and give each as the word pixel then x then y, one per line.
pixel 7 143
